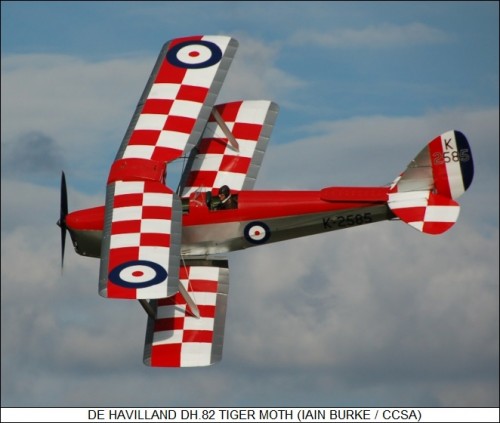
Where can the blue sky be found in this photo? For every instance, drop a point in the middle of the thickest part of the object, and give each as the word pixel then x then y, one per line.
pixel 377 316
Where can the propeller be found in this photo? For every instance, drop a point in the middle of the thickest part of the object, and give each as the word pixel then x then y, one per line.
pixel 63 211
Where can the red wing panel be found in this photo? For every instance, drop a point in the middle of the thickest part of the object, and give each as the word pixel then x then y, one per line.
pixel 217 162
pixel 176 338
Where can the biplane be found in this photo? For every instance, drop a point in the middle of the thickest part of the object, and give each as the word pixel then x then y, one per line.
pixel 168 248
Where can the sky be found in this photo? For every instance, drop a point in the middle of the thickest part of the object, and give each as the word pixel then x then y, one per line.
pixel 376 316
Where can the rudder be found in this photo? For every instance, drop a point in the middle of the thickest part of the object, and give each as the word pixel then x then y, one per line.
pixel 424 194
pixel 452 164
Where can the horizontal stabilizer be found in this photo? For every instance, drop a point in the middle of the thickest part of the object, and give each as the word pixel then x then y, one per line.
pixel 427 212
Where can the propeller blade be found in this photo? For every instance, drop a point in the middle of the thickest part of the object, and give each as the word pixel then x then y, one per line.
pixel 63 211
pixel 64 196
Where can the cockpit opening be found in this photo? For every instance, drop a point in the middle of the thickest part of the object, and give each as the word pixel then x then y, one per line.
pixel 224 200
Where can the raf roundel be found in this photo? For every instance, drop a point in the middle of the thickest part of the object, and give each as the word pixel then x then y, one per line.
pixel 138 274
pixel 257 232
pixel 194 54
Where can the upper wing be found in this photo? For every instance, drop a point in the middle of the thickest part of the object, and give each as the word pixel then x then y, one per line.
pixel 235 160
pixel 142 230
pixel 175 337
pixel 178 98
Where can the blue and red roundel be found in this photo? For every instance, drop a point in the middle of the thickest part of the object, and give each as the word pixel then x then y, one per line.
pixel 194 54
pixel 257 232
pixel 138 274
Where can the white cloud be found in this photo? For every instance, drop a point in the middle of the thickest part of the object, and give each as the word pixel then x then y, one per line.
pixel 82 106
pixel 66 95
pixel 373 36
pixel 254 74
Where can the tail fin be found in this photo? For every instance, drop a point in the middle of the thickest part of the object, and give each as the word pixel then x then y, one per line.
pixel 424 194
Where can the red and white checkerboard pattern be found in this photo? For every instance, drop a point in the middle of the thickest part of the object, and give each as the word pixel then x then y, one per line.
pixel 176 106
pixel 178 339
pixel 427 212
pixel 143 222
pixel 217 163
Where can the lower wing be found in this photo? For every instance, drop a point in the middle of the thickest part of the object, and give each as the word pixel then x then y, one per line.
pixel 176 337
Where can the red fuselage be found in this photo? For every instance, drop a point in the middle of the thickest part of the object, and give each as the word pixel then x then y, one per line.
pixel 261 217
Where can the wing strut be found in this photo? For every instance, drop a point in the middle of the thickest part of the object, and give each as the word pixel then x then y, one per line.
pixel 147 307
pixel 194 308
pixel 189 301
pixel 225 129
